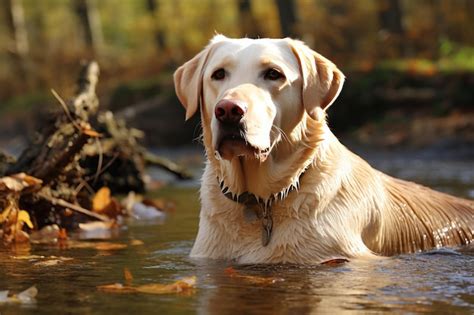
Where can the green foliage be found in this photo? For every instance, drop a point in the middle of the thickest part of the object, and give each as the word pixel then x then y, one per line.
pixel 457 56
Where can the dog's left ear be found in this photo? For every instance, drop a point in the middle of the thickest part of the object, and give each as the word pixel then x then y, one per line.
pixel 322 80
pixel 188 82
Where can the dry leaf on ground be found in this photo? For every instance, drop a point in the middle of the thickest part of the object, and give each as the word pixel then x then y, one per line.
pixel 19 182
pixel 104 203
pixel 13 219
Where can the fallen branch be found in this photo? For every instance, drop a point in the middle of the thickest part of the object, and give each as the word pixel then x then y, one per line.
pixel 71 206
pixel 62 141
pixel 167 165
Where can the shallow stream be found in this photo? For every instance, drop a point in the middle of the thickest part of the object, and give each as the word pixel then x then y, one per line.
pixel 440 281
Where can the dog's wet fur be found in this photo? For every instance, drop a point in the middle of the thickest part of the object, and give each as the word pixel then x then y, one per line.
pixel 278 138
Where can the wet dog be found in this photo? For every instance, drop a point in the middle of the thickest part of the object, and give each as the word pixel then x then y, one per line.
pixel 278 187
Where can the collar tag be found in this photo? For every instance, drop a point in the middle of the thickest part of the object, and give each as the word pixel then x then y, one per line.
pixel 258 208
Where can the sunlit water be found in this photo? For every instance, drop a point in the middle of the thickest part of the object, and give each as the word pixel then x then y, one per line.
pixel 439 281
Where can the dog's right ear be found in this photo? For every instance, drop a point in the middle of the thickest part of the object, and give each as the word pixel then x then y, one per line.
pixel 188 82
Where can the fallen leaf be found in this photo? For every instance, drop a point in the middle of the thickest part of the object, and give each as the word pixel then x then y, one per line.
pixel 19 182
pixel 101 199
pixel 231 272
pixel 136 242
pixel 127 275
pixel 13 219
pixel 62 235
pixel 28 257
pixel 104 246
pixel 110 246
pixel 179 286
pixel 184 285
pixel 24 217
pixel 104 203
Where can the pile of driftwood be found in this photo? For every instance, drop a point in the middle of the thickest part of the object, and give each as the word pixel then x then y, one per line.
pixel 77 152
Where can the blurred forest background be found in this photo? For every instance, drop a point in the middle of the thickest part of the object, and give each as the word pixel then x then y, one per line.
pixel 409 63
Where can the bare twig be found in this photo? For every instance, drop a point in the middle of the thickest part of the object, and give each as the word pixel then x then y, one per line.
pixel 167 165
pixel 66 110
pixel 77 208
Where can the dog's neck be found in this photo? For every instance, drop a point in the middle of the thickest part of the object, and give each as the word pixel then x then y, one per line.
pixel 283 168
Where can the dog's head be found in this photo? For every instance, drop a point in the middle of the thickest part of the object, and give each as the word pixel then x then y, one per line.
pixel 254 92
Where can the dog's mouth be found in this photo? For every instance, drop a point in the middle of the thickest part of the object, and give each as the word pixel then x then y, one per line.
pixel 234 143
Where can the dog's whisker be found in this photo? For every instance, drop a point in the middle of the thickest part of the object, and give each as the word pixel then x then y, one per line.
pixel 282 134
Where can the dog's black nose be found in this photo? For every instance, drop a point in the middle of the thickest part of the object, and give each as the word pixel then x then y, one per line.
pixel 230 111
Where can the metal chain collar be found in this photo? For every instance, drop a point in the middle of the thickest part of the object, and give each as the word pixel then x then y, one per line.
pixel 262 208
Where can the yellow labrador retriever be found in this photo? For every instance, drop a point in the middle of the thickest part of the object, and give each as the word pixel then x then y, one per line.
pixel 278 186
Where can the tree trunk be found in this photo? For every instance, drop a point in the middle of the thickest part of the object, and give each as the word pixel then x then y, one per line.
pixel 248 22
pixel 153 7
pixel 86 11
pixel 288 19
pixel 390 21
pixel 19 50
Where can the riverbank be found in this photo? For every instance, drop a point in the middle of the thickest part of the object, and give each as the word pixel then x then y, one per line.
pixel 384 108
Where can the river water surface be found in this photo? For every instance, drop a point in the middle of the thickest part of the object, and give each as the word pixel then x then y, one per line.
pixel 439 281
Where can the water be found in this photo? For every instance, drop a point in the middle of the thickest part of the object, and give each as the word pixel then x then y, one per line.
pixel 439 281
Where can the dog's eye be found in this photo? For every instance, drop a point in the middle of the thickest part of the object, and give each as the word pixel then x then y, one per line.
pixel 218 75
pixel 273 75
